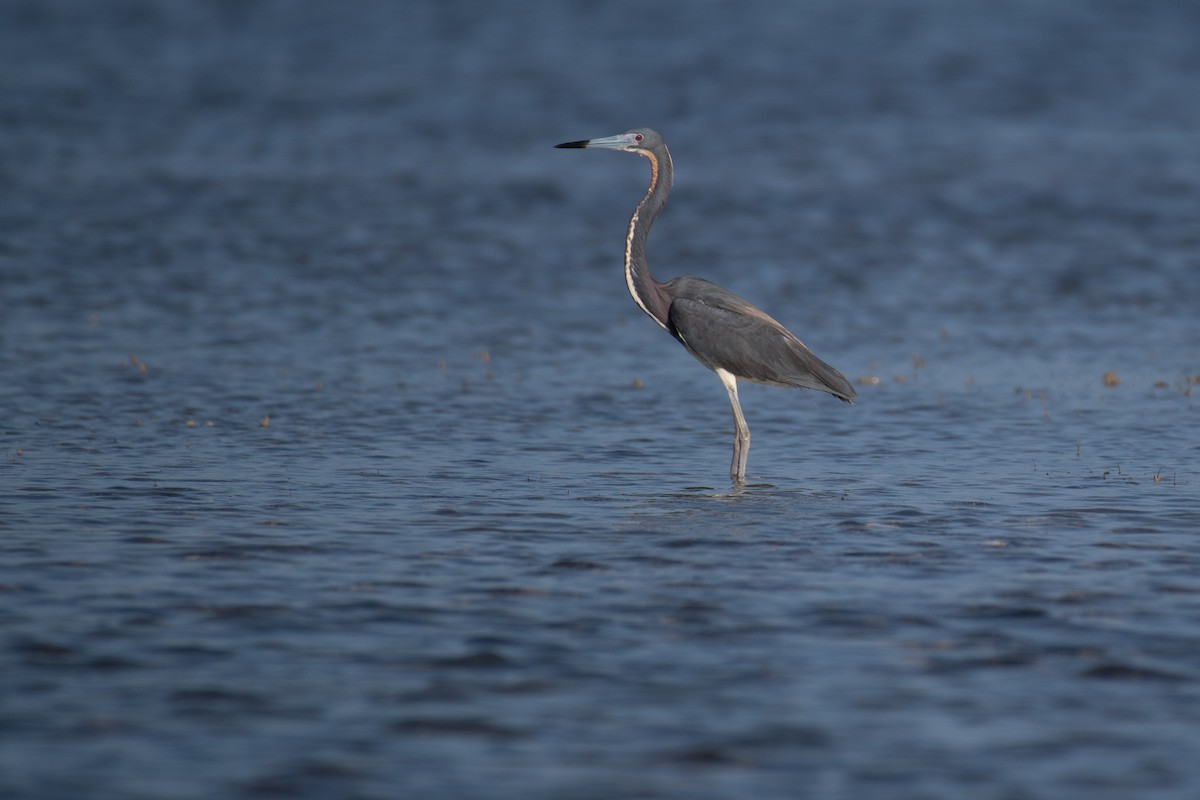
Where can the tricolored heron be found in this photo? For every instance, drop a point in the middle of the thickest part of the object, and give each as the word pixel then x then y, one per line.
pixel 724 332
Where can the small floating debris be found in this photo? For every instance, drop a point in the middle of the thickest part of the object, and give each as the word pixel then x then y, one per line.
pixel 1111 379
pixel 1030 395
pixel 265 422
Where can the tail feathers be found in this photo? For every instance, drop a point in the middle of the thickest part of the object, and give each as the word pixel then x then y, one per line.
pixel 823 378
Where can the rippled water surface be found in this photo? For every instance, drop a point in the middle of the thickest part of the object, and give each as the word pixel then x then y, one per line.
pixel 336 461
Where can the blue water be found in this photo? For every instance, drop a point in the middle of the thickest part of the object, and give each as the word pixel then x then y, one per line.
pixel 335 460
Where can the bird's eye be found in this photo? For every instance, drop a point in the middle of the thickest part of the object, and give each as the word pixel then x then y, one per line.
pixel 637 137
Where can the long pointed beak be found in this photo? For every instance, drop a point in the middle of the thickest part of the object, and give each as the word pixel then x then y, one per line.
pixel 618 142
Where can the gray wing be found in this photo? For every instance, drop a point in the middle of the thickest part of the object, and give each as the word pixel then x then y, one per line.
pixel 723 331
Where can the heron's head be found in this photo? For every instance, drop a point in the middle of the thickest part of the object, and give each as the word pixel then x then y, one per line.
pixel 638 140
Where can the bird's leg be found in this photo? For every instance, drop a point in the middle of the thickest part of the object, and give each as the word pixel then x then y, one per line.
pixel 741 431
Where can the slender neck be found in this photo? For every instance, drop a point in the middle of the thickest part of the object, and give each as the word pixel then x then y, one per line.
pixel 647 292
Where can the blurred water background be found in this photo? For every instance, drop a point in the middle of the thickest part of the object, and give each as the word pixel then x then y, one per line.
pixel 337 462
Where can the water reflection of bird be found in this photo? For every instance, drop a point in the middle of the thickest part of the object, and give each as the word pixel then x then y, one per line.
pixel 724 332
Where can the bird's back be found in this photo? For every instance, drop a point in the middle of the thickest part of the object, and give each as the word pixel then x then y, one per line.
pixel 723 331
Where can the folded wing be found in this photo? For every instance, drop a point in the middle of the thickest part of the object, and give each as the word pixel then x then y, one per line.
pixel 723 331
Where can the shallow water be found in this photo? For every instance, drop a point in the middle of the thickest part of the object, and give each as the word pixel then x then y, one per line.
pixel 338 463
